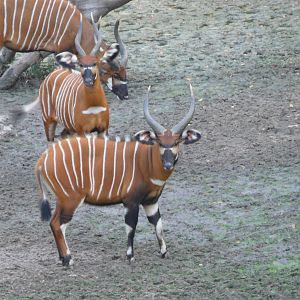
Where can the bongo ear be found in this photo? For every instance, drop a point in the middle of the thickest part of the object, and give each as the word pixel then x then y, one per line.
pixel 190 136
pixel 66 59
pixel 145 137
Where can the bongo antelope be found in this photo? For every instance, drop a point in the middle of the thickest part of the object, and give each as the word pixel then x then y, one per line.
pixel 31 25
pixel 76 99
pixel 101 171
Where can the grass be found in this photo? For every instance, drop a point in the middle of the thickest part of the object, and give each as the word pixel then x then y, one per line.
pixel 39 70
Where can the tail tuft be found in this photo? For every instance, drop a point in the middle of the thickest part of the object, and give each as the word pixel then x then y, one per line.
pixel 16 115
pixel 45 210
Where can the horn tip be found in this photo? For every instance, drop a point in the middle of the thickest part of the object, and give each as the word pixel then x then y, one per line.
pixel 191 89
pixel 99 21
pixel 149 88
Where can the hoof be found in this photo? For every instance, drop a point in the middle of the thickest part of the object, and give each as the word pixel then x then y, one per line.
pixel 67 260
pixel 130 259
pixel 65 132
pixel 165 254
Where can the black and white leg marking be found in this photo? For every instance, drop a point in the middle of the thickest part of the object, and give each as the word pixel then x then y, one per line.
pixel 153 215
pixel 64 220
pixel 51 131
pixel 131 219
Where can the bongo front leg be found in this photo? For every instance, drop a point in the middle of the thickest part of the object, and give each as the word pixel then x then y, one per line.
pixel 153 215
pixel 50 130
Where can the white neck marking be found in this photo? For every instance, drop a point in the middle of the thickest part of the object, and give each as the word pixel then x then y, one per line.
pixel 157 182
pixel 94 110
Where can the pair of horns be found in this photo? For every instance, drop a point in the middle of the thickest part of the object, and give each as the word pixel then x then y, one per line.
pixel 179 127
pixel 98 40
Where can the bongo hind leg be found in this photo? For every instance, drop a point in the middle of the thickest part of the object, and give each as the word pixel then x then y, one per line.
pixel 62 216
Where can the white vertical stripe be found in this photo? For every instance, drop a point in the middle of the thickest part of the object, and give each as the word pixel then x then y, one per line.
pixel 55 172
pixel 46 171
pixel 43 26
pixel 80 159
pixel 65 165
pixel 90 161
pixel 61 72
pixel 61 20
pixel 29 27
pixel 42 100
pixel 56 22
pixel 70 100
pixel 50 18
pixel 65 99
pixel 41 15
pixel 103 168
pixel 56 100
pixel 13 20
pixel 43 88
pixel 5 19
pixel 62 98
pixel 115 163
pixel 79 87
pixel 133 163
pixel 61 112
pixel 54 87
pixel 73 97
pixel 66 26
pixel 124 167
pixel 93 164
pixel 21 19
pixel 73 162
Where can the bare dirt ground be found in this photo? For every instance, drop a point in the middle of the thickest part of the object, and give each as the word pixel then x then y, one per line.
pixel 230 210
